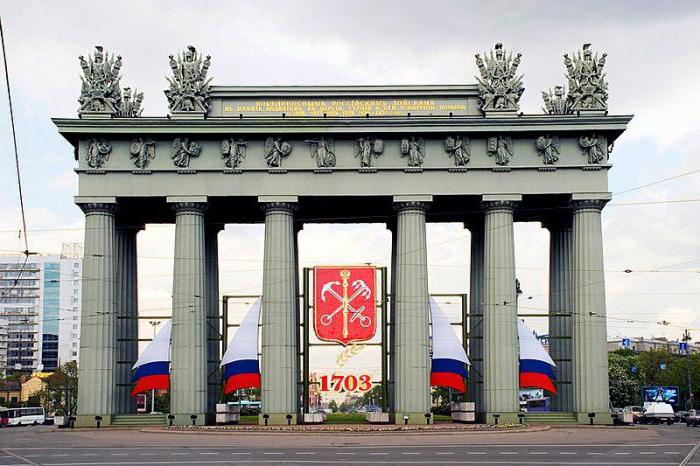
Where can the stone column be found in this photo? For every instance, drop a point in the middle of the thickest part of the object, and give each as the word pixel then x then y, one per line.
pixel 412 312
pixel 500 332
pixel 188 368
pixel 476 311
pixel 127 316
pixel 97 365
pixel 560 290
pixel 211 245
pixel 280 376
pixel 589 350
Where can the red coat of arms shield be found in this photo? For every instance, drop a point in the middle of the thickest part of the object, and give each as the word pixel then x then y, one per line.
pixel 345 307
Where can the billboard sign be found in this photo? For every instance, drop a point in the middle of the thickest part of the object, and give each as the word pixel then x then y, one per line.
pixel 669 395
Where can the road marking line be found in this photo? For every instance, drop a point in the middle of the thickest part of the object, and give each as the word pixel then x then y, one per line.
pixel 209 453
pixel 378 453
pixel 507 452
pixel 174 453
pixel 26 461
pixel 308 453
pixel 118 454
pixel 272 453
pixel 443 453
pixel 690 455
pixel 537 453
pixel 594 453
pixel 410 453
pixel 568 453
pixel 476 453
pixel 341 453
pixel 622 453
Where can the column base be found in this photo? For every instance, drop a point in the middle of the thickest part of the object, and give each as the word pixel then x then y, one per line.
pixel 186 420
pixel 498 418
pixel 88 420
pixel 277 419
pixel 601 418
pixel 416 418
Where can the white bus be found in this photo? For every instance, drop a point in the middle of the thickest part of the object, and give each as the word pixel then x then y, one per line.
pixel 25 416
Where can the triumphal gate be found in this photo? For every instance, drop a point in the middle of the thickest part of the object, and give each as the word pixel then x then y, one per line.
pixel 399 155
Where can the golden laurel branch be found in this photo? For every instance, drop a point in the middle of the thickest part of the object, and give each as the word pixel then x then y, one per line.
pixel 347 354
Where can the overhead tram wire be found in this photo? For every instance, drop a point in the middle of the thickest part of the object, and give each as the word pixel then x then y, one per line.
pixel 14 140
pixel 16 152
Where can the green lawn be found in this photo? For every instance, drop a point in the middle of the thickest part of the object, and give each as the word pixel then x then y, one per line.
pixel 341 418
pixel 249 419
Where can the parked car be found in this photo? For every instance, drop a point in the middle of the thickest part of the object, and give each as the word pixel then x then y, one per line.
pixel 636 412
pixel 693 418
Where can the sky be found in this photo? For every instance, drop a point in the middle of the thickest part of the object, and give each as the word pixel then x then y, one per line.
pixel 652 68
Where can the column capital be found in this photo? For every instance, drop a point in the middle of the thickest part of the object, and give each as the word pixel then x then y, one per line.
pixel 474 223
pixel 498 206
pixel 217 227
pixel 188 207
pixel 560 222
pixel 279 207
pixel 580 205
pixel 98 208
pixel 132 228
pixel 404 206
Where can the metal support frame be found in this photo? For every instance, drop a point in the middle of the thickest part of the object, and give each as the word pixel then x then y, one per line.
pixel 305 323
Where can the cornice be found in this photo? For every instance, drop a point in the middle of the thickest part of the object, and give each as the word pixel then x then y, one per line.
pixel 73 128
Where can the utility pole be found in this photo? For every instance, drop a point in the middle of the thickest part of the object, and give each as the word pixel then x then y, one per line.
pixel 686 339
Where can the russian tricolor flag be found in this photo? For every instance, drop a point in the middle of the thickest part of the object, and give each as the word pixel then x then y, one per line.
pixel 536 367
pixel 240 362
pixel 449 363
pixel 152 370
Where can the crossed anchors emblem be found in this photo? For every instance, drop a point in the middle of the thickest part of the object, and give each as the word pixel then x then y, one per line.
pixel 360 289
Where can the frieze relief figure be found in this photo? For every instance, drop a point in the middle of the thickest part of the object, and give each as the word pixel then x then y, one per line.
pixel 499 86
pixel 555 102
pixel 459 148
pixel 501 148
pixel 142 152
pixel 588 89
pixel 368 148
pixel 183 149
pixel 131 108
pixel 233 151
pixel 323 150
pixel 548 148
pixel 595 147
pixel 189 87
pixel 100 92
pixel 97 153
pixel 275 150
pixel 414 149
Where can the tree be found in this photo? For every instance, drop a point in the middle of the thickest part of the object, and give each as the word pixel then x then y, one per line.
pixel 625 382
pixel 441 400
pixel 333 406
pixel 60 392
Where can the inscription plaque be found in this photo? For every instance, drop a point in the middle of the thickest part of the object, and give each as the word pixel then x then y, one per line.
pixel 376 107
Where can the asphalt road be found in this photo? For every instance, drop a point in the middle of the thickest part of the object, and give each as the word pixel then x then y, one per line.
pixel 660 445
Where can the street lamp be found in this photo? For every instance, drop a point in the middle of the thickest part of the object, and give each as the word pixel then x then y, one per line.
pixel 154 324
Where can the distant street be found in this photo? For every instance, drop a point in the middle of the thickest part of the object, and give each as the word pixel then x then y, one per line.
pixel 672 445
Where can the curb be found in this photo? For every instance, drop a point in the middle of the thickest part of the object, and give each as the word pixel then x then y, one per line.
pixel 256 430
